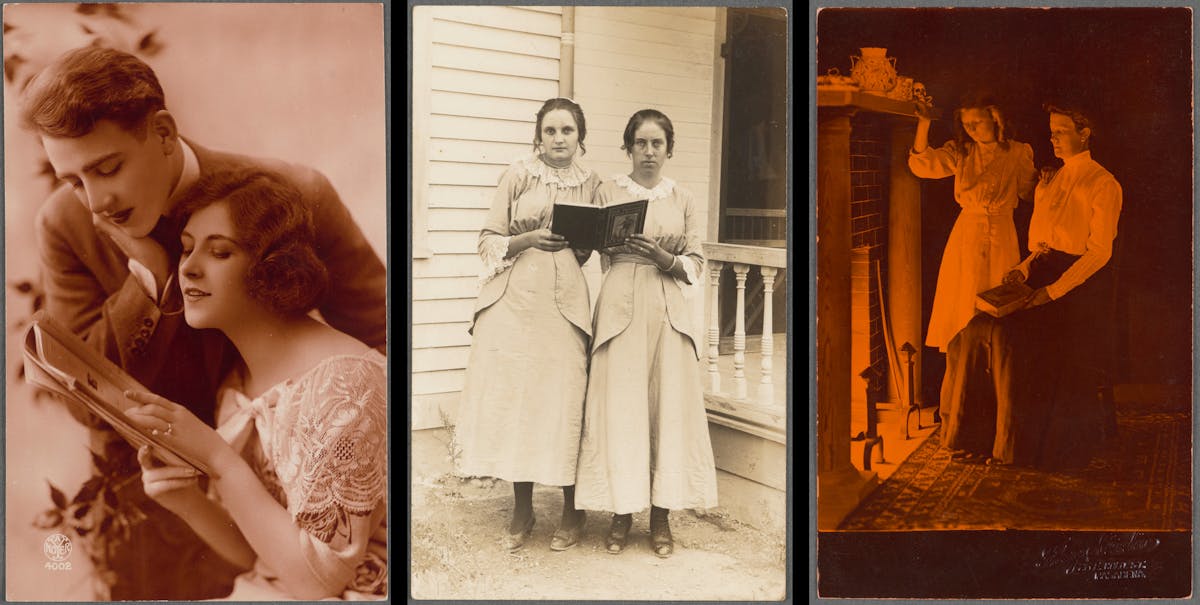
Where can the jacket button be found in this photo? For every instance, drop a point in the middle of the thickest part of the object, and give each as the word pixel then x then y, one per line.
pixel 146 321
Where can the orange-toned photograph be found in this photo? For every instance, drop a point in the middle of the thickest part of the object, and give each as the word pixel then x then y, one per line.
pixel 1003 208
pixel 195 204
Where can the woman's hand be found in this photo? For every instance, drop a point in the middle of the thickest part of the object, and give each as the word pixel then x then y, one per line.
pixel 175 488
pixel 178 427
pixel 1013 277
pixel 1038 298
pixel 924 112
pixel 646 246
pixel 672 243
pixel 544 239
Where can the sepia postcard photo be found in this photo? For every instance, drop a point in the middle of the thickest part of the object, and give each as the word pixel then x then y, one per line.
pixel 1039 450
pixel 195 237
pixel 600 424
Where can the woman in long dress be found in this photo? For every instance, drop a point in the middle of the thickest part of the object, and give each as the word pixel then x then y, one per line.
pixel 521 411
pixel 298 484
pixel 991 172
pixel 645 432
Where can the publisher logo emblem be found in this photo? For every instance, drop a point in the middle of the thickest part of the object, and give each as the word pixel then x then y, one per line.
pixel 57 547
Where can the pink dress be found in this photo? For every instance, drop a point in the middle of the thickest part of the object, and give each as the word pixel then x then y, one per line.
pixel 319 443
pixel 983 242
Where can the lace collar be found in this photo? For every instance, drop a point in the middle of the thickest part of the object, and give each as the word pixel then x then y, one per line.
pixel 663 189
pixel 574 175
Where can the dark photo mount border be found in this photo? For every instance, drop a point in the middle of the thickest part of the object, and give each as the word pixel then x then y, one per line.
pixel 855 566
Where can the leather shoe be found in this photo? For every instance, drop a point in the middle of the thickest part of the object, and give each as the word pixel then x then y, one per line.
pixel 515 541
pixel 566 537
pixel 618 533
pixel 661 540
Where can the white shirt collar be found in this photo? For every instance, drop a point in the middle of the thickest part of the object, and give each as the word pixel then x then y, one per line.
pixel 190 173
pixel 1078 158
pixel 661 190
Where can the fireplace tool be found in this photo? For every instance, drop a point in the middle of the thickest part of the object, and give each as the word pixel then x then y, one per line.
pixel 913 406
pixel 871 437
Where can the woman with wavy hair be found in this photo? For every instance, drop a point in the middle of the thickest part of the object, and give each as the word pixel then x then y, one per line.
pixel 297 495
pixel 521 411
pixel 991 173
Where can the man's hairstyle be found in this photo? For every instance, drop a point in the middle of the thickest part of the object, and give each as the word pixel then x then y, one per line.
pixel 636 121
pixel 275 228
pixel 1072 111
pixel 86 85
pixel 568 105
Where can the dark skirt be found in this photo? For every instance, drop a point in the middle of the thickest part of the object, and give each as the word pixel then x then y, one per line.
pixel 1024 387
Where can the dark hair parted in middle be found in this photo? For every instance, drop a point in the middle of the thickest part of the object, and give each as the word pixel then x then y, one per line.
pixel 565 104
pixel 636 121
pixel 275 228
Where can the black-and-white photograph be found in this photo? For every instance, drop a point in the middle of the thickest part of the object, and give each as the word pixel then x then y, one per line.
pixel 196 301
pixel 600 424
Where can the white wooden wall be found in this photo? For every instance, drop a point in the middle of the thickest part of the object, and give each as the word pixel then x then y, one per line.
pixel 480 75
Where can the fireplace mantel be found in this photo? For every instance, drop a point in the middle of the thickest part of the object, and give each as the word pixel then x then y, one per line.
pixel 840 485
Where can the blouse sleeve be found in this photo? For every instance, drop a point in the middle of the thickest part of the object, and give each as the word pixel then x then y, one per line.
pixel 338 456
pixel 494 237
pixel 692 256
pixel 1027 175
pixel 935 163
pixel 1102 230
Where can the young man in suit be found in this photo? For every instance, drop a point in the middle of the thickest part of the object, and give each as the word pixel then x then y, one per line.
pixel 108 243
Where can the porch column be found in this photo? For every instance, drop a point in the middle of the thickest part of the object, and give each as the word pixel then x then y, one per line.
pixel 904 257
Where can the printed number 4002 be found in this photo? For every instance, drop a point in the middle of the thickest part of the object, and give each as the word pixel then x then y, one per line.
pixel 58 565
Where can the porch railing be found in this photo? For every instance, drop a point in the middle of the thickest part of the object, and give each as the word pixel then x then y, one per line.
pixel 759 406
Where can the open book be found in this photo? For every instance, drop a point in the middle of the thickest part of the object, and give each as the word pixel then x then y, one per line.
pixel 596 228
pixel 1003 299
pixel 59 361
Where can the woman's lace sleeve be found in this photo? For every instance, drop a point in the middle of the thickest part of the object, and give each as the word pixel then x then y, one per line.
pixel 335 470
pixel 492 251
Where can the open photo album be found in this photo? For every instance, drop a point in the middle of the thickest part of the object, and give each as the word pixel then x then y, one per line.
pixel 59 361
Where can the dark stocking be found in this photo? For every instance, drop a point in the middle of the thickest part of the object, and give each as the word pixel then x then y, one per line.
pixel 522 506
pixel 570 516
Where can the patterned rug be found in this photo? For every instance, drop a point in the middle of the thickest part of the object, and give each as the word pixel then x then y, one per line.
pixel 1141 480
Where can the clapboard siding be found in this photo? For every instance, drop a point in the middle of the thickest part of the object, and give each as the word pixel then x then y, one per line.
pixel 451 242
pixel 438 288
pixel 457 219
pixel 442 358
pixel 477 106
pixel 464 173
pixel 446 265
pixel 427 336
pixel 481 36
pixel 700 23
pixel 476 152
pixel 527 22
pixel 498 85
pixel 461 196
pixel 494 62
pixel 481 129
pixel 441 311
pixel 442 381
pixel 649 26
pixel 649 48
pixel 667 64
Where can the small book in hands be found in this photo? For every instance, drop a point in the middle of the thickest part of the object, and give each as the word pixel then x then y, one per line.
pixel 596 228
pixel 1003 299
pixel 59 361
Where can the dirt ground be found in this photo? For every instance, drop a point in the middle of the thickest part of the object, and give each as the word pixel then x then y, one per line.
pixel 457 525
